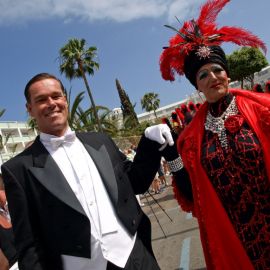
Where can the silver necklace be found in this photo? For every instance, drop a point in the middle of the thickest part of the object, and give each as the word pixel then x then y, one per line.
pixel 216 124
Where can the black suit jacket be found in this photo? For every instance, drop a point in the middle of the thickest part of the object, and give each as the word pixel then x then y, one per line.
pixel 7 245
pixel 47 218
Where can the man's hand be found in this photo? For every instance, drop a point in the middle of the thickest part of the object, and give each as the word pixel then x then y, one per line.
pixel 160 133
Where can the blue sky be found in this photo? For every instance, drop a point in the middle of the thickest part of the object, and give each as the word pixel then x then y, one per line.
pixel 129 35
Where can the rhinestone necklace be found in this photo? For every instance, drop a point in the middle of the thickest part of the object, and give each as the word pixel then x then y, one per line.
pixel 216 124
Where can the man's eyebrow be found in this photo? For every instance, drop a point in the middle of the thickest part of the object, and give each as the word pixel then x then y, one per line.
pixel 40 96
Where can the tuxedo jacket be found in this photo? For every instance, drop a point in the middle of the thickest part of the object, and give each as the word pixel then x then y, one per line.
pixel 48 219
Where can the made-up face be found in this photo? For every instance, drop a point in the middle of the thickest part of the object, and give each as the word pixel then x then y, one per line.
pixel 48 106
pixel 213 81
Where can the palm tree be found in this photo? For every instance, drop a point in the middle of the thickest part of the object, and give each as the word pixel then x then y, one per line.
pixel 76 61
pixel 4 138
pixel 150 102
pixel 84 120
pixel 31 122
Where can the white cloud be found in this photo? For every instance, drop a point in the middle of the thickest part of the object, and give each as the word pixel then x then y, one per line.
pixel 184 10
pixel 17 11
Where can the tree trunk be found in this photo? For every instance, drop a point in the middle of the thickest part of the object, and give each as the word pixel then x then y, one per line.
pixel 91 97
pixel 252 81
pixel 242 84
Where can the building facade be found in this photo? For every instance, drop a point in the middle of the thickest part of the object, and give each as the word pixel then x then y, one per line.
pixel 167 110
pixel 260 77
pixel 15 137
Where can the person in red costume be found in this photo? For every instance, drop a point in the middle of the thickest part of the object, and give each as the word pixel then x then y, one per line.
pixel 267 87
pixel 222 173
pixel 258 88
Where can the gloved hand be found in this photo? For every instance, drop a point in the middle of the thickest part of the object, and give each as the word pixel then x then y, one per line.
pixel 160 133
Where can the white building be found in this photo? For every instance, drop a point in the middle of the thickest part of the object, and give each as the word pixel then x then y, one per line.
pixel 260 77
pixel 161 112
pixel 15 137
pixel 117 115
pixel 167 110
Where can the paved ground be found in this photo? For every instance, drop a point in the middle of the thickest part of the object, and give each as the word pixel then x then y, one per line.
pixel 176 243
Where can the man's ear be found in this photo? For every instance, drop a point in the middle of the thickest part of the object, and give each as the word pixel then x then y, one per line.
pixel 28 108
pixel 66 100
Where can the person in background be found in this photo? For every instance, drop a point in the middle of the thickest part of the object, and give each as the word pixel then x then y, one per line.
pixel 161 175
pixel 155 186
pixel 177 125
pixel 192 108
pixel 130 154
pixel 198 105
pixel 165 166
pixel 222 171
pixel 187 115
pixel 258 88
pixel 8 251
pixel 267 87
pixel 133 147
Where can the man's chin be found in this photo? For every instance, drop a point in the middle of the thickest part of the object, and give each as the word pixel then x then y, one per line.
pixel 57 129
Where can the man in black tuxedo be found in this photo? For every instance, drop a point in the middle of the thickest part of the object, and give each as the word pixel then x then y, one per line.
pixel 71 196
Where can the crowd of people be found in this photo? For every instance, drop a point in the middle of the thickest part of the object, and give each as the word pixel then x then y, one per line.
pixel 159 182
pixel 72 196
pixel 259 89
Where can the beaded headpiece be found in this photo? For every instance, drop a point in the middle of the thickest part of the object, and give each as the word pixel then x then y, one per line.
pixel 198 42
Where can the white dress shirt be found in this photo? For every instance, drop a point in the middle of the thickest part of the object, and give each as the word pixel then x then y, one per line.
pixel 110 241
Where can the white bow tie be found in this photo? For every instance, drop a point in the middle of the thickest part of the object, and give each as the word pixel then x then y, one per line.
pixel 67 139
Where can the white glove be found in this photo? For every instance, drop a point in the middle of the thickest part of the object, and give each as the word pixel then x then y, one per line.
pixel 160 133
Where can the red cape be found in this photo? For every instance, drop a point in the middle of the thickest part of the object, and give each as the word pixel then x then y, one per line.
pixel 222 248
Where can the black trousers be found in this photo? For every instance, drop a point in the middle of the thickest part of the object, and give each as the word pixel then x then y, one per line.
pixel 139 259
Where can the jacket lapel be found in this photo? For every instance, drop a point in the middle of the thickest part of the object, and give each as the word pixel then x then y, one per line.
pixel 104 165
pixel 46 171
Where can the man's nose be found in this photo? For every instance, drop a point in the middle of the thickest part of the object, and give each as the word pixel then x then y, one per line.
pixel 50 101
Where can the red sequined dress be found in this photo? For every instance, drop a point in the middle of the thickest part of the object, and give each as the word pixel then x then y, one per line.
pixel 238 175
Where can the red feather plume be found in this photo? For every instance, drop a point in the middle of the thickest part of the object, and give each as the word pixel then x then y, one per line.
pixel 202 32
pixel 210 11
pixel 241 37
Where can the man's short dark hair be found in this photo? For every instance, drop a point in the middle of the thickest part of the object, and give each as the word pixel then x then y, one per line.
pixel 39 77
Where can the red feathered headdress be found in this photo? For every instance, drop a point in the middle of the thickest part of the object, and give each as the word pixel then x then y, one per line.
pixel 200 35
pixel 191 106
pixel 180 114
